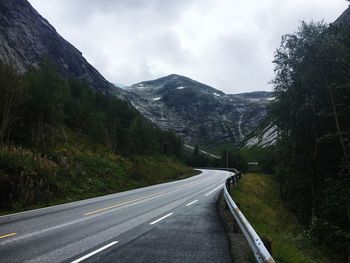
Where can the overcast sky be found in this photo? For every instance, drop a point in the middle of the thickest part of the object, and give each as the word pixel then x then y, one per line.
pixel 228 44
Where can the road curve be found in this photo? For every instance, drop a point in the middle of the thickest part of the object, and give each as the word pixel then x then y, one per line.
pixel 170 222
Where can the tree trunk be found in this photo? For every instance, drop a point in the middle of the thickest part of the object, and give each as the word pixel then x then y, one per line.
pixel 336 120
pixel 42 130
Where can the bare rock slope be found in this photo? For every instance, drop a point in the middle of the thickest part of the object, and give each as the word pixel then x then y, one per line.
pixel 26 38
pixel 199 113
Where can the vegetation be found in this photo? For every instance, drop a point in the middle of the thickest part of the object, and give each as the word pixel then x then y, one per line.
pixel 229 158
pixel 312 115
pixel 61 141
pixel 260 159
pixel 258 196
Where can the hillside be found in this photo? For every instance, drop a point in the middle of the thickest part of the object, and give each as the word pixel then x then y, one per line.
pixel 260 202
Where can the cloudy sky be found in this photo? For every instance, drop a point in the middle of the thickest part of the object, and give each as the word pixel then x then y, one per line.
pixel 228 44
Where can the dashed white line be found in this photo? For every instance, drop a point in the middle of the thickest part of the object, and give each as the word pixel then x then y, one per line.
pixel 214 190
pixel 192 203
pixel 95 252
pixel 160 219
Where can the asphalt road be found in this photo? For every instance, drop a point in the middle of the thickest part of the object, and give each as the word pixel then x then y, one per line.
pixel 171 222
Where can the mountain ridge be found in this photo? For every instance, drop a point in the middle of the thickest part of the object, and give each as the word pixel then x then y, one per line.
pixel 27 38
pixel 198 112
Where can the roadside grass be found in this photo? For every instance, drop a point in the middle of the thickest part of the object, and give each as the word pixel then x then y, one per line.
pixel 74 170
pixel 259 200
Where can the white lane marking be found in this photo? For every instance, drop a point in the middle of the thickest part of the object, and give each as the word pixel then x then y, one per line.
pixel 214 190
pixel 95 252
pixel 192 203
pixel 160 219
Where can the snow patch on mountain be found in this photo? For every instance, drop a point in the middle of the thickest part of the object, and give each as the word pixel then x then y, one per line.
pixel 263 138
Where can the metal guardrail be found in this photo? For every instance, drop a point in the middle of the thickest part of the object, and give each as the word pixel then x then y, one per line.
pixel 261 254
pixel 235 171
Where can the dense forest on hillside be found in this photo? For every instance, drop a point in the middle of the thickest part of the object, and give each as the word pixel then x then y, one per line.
pixel 36 107
pixel 312 114
pixel 60 139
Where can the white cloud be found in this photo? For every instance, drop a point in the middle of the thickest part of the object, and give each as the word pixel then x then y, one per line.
pixel 227 44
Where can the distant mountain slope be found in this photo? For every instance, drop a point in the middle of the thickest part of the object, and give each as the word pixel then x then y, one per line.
pixel 26 38
pixel 264 135
pixel 199 113
pixel 344 17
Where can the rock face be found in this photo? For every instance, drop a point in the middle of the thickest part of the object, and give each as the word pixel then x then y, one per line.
pixel 26 38
pixel 198 113
pixel 264 135
pixel 344 18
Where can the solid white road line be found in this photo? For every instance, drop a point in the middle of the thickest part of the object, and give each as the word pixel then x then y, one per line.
pixel 192 203
pixel 214 190
pixel 160 219
pixel 95 252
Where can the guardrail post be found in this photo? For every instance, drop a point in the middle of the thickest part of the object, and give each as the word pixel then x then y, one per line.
pixel 228 185
pixel 233 179
pixel 261 247
pixel 236 228
pixel 267 243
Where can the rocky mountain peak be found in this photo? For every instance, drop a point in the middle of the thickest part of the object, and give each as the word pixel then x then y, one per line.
pixel 199 113
pixel 174 82
pixel 27 38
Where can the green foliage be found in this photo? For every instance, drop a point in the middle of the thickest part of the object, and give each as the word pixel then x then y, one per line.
pixel 229 158
pixel 233 159
pixel 258 196
pixel 11 90
pixel 198 159
pixel 48 103
pixel 265 157
pixel 312 114
pixel 23 177
pixel 76 169
pixel 44 107
pixel 159 169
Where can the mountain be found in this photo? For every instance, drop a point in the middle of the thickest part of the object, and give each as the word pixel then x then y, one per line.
pixel 199 113
pixel 26 38
pixel 344 17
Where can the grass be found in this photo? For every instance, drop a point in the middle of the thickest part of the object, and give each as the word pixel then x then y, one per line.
pixel 259 200
pixel 76 170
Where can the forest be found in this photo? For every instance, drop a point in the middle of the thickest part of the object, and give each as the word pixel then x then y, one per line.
pixel 311 111
pixel 36 107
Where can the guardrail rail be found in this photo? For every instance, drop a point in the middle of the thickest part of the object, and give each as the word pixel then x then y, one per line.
pixel 262 255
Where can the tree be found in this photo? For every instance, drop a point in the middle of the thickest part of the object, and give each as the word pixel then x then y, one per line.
pixel 141 138
pixel 48 93
pixel 312 114
pixel 12 95
pixel 233 159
